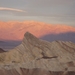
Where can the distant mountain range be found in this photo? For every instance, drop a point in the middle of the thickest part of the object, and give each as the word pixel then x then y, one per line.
pixel 15 30
pixel 7 45
pixel 1 41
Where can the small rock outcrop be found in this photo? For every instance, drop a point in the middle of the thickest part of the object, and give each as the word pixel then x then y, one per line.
pixel 35 56
pixel 1 50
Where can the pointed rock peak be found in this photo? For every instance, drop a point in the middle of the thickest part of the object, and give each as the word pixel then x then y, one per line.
pixel 29 35
pixel 30 38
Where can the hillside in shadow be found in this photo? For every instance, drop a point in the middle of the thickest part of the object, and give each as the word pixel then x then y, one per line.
pixel 7 45
pixel 69 36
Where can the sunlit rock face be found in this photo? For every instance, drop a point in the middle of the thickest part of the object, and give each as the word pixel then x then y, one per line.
pixel 36 57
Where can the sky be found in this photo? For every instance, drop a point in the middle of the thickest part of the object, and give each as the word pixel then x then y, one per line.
pixel 49 11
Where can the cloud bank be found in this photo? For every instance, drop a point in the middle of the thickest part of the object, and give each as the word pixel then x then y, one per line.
pixel 11 9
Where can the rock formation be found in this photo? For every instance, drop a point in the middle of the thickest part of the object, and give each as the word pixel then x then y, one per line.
pixel 1 50
pixel 37 57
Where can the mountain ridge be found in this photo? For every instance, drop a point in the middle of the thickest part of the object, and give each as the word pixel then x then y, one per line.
pixel 15 30
pixel 36 57
pixel 36 53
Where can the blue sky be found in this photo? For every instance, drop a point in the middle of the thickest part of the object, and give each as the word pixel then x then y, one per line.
pixel 50 11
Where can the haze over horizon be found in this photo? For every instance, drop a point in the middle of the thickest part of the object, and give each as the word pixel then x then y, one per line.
pixel 48 11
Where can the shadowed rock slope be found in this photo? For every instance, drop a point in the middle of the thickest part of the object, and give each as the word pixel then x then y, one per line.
pixel 1 50
pixel 37 57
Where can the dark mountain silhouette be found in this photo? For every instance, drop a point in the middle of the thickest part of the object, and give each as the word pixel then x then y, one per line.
pixel 69 36
pixel 7 45
pixel 1 41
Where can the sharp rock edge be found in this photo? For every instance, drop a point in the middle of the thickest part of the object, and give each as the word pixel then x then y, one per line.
pixel 38 56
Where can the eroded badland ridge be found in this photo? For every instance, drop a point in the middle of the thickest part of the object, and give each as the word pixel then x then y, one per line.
pixel 36 57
